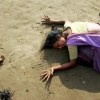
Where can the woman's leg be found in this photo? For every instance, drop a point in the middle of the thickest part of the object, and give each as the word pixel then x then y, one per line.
pixel 93 27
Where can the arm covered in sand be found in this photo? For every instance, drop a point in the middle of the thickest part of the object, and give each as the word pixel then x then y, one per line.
pixel 47 20
pixel 49 72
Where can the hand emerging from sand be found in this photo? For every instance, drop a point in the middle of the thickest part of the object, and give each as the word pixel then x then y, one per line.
pixel 46 74
pixel 46 20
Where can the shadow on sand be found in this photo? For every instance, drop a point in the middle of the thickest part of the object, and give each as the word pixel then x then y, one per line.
pixel 79 77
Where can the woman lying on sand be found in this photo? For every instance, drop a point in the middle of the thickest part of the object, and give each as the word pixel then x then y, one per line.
pixel 82 39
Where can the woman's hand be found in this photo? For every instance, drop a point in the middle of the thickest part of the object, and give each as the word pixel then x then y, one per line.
pixel 46 20
pixel 46 74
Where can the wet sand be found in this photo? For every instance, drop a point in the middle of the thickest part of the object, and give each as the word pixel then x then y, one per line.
pixel 21 37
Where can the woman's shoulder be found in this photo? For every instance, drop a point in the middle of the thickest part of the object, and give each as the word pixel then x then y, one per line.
pixel 67 24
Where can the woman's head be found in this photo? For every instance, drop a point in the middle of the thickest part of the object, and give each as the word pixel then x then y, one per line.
pixel 61 42
pixel 55 39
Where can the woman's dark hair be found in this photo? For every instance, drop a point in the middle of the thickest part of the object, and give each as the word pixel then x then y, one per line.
pixel 52 37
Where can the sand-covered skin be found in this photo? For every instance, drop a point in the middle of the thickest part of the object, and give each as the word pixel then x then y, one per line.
pixel 21 37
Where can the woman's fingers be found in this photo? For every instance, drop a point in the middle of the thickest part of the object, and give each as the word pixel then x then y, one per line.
pixel 46 74
pixel 43 74
pixel 45 77
pixel 44 16
pixel 48 18
pixel 43 21
pixel 48 77
pixel 44 71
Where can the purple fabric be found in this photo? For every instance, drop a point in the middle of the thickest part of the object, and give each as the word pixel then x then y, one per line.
pixel 86 53
pixel 84 39
pixel 93 40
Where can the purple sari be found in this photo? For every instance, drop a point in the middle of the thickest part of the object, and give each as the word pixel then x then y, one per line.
pixel 88 47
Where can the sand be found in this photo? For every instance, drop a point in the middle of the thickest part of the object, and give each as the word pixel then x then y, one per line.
pixel 21 37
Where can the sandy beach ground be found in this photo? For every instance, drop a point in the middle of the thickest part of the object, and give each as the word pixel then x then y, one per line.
pixel 21 37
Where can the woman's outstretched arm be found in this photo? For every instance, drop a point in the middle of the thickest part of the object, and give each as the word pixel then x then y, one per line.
pixel 47 20
pixel 70 64
pixel 47 73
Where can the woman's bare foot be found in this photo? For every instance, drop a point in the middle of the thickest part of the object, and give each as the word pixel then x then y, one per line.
pixel 1 59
